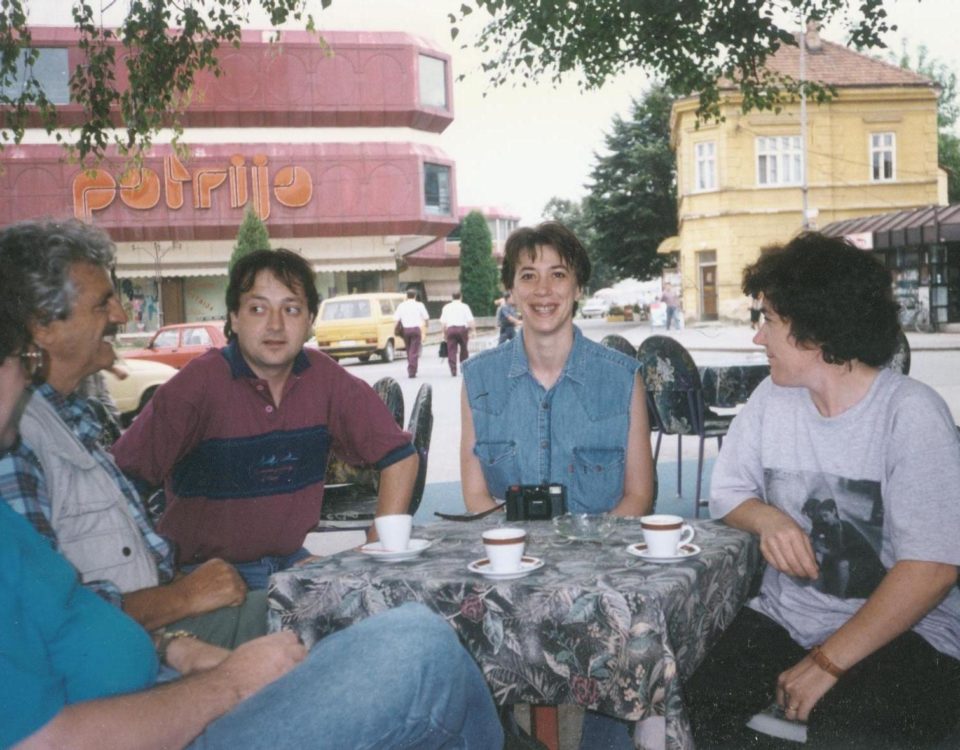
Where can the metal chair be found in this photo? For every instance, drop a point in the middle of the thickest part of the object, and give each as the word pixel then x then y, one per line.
pixel 675 402
pixel 900 361
pixel 420 427
pixel 618 342
pixel 355 497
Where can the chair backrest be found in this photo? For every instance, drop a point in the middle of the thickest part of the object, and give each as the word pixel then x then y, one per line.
pixel 618 342
pixel 367 477
pixel 673 385
pixel 421 428
pixel 392 395
pixel 900 361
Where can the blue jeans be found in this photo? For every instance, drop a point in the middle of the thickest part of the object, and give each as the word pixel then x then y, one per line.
pixel 256 573
pixel 399 679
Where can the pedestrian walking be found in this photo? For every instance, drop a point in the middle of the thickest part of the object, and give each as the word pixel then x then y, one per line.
pixel 412 317
pixel 456 319
pixel 508 319
pixel 672 301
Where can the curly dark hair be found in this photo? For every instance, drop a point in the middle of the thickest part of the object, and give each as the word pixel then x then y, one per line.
pixel 16 310
pixel 833 295
pixel 289 267
pixel 529 240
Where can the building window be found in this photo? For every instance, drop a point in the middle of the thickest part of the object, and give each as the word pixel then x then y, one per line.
pixel 49 70
pixel 882 152
pixel 779 160
pixel 436 189
pixel 706 166
pixel 433 82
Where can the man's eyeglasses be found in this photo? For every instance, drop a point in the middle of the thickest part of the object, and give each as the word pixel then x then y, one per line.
pixel 35 363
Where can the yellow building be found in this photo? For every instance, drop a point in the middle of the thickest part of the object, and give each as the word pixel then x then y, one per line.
pixel 740 182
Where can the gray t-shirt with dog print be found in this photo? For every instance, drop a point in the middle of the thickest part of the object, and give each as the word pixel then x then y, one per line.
pixel 874 485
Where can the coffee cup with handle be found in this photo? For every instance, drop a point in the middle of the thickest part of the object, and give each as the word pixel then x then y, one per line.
pixel 665 534
pixel 504 547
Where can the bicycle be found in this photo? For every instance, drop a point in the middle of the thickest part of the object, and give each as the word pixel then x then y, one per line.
pixel 915 316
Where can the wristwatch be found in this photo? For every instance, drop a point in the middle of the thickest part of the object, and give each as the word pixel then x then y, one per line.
pixel 167 637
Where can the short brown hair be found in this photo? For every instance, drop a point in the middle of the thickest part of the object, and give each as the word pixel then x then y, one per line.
pixel 530 240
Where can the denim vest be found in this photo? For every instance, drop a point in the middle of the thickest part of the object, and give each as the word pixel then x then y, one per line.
pixel 574 434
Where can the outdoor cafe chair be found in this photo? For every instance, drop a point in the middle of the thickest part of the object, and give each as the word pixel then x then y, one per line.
pixel 354 494
pixel 675 402
pixel 619 343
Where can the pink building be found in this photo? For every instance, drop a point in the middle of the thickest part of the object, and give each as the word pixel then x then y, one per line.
pixel 334 144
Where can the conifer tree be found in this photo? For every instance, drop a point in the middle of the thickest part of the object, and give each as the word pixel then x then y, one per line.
pixel 251 236
pixel 478 270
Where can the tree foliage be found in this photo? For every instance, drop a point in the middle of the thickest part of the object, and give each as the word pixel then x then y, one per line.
pixel 478 270
pixel 162 46
pixel 688 44
pixel 632 205
pixel 251 236
pixel 948 110
pixel 573 215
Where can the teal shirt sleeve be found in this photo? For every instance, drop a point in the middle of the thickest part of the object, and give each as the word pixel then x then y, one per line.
pixel 59 643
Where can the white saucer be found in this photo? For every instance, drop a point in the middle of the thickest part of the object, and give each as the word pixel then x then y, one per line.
pixel 686 552
pixel 377 552
pixel 527 565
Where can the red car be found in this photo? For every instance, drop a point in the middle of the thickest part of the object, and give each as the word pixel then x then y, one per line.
pixel 175 345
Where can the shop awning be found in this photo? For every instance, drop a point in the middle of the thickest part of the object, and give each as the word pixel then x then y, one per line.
pixel 184 271
pixel 928 225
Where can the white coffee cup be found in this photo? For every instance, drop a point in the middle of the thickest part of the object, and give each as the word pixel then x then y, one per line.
pixel 664 534
pixel 504 547
pixel 394 531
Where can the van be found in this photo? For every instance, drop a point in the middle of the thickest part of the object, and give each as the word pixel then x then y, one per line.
pixel 359 325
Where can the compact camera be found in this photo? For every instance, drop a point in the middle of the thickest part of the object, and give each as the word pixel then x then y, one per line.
pixel 536 502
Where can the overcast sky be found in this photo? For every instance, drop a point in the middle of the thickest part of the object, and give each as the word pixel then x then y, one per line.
pixel 517 147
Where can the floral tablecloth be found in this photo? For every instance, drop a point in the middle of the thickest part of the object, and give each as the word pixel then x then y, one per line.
pixel 595 625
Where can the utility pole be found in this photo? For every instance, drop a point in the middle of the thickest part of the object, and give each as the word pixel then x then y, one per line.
pixel 803 127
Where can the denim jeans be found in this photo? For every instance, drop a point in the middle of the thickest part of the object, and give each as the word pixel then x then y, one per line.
pixel 399 679
pixel 256 573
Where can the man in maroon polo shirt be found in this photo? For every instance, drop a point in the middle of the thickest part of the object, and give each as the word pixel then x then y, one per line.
pixel 240 437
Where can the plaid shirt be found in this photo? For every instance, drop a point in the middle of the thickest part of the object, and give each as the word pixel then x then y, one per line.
pixel 24 487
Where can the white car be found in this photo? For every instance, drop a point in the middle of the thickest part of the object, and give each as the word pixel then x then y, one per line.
pixel 133 392
pixel 595 307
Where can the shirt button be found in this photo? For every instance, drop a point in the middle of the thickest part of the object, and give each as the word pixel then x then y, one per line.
pixel 545 406
pixel 269 410
pixel 544 443
pixel 127 551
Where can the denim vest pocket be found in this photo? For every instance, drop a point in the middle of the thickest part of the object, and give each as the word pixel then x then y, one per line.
pixel 597 478
pixel 500 464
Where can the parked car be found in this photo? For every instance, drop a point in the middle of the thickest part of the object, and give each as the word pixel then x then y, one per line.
pixel 177 344
pixel 595 307
pixel 359 325
pixel 133 392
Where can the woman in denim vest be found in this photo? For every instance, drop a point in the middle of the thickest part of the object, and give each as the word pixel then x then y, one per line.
pixel 551 406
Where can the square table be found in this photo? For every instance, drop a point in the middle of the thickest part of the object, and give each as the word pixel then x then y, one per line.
pixel 595 626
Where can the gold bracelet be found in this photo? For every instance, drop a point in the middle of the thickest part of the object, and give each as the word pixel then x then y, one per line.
pixel 166 638
pixel 823 661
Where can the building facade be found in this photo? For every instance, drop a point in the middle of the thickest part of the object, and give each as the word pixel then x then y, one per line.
pixel 334 143
pixel 743 182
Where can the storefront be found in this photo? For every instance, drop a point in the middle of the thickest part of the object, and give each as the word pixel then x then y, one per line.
pixel 921 247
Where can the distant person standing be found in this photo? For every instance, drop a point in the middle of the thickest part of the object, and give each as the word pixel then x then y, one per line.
pixel 507 318
pixel 672 301
pixel 456 318
pixel 413 317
